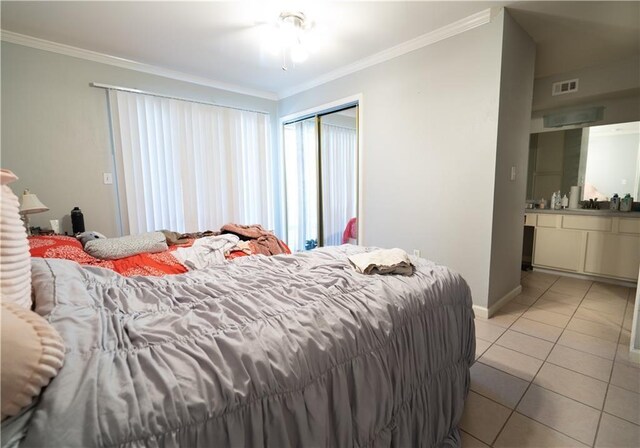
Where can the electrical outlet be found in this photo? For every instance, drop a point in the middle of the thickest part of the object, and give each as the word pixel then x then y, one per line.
pixel 416 252
pixel 107 178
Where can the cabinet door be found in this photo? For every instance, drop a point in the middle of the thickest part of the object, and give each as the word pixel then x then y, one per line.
pixel 613 255
pixel 530 219
pixel 557 248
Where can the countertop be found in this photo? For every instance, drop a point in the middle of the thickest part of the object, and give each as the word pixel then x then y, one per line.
pixel 583 212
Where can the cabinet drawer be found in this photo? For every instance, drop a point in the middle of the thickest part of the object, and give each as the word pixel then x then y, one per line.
pixel 613 255
pixel 531 218
pixel 557 248
pixel 629 225
pixel 547 220
pixel 586 223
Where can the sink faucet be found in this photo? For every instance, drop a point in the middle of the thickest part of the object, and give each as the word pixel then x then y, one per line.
pixel 592 204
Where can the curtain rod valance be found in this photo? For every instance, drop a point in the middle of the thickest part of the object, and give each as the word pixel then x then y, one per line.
pixel 161 95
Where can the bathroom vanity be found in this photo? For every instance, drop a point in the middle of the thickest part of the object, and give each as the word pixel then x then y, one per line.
pixel 598 243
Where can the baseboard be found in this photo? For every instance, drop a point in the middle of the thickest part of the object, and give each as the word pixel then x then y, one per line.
pixel 486 313
pixel 593 278
pixel 481 311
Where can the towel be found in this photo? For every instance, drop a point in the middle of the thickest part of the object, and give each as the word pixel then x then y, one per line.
pixel 382 261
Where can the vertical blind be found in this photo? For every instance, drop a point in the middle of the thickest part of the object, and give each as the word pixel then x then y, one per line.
pixel 190 167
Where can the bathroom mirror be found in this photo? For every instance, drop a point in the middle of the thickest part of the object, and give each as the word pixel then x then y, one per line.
pixel 604 160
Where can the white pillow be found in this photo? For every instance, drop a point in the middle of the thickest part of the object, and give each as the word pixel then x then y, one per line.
pixel 15 260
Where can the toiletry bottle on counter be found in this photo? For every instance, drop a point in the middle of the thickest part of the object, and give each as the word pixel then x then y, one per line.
pixel 552 204
pixel 626 203
pixel 77 220
pixel 614 203
pixel 557 203
pixel 565 201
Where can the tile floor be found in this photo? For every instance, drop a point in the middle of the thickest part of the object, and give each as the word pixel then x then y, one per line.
pixel 552 369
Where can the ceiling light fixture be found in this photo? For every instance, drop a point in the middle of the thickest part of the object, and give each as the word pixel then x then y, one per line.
pixel 293 28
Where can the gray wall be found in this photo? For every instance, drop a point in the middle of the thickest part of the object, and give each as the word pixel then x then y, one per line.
pixel 429 130
pixel 55 129
pixel 516 92
pixel 612 80
pixel 615 86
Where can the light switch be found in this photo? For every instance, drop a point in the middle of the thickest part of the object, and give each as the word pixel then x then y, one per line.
pixel 513 173
pixel 107 178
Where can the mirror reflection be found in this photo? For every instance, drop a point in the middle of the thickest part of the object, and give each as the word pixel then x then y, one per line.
pixel 603 160
pixel 321 163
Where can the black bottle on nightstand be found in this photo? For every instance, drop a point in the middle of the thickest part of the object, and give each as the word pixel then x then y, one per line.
pixel 77 220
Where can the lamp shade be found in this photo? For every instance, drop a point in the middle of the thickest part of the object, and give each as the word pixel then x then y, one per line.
pixel 31 204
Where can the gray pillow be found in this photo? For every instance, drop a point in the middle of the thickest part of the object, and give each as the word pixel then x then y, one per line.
pixel 126 246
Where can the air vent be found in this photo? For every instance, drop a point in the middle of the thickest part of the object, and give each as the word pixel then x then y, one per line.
pixel 562 87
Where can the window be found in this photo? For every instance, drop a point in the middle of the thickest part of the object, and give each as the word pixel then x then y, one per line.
pixel 188 166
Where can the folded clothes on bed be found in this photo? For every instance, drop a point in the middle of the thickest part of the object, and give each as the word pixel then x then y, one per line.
pixel 383 261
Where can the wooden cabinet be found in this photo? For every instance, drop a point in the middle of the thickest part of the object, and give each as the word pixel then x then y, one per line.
pixel 549 220
pixel 594 245
pixel 612 255
pixel 530 219
pixel 557 248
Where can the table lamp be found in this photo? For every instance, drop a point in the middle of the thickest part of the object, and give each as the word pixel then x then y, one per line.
pixel 30 204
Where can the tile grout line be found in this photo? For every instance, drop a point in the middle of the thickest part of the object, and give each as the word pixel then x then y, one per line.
pixel 606 394
pixel 601 411
pixel 521 316
pixel 508 328
pixel 544 362
pixel 530 382
pixel 557 342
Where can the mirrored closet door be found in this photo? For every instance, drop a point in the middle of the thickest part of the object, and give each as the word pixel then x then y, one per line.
pixel 321 163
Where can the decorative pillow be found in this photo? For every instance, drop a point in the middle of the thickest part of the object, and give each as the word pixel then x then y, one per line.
pixel 32 354
pixel 15 262
pixel 126 246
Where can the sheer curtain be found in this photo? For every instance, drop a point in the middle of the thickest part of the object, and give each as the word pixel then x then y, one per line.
pixel 339 182
pixel 188 166
pixel 301 161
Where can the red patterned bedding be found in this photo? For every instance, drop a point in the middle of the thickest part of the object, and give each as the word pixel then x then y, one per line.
pixel 158 264
pixel 69 248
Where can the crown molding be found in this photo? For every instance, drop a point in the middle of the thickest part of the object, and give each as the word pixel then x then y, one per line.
pixel 424 40
pixel 81 53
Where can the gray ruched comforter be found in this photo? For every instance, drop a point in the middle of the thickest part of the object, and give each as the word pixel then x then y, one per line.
pixel 284 351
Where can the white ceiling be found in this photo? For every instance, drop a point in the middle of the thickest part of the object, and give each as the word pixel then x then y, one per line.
pixel 221 41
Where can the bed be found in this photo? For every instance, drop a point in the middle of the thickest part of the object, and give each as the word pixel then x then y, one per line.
pixel 284 351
